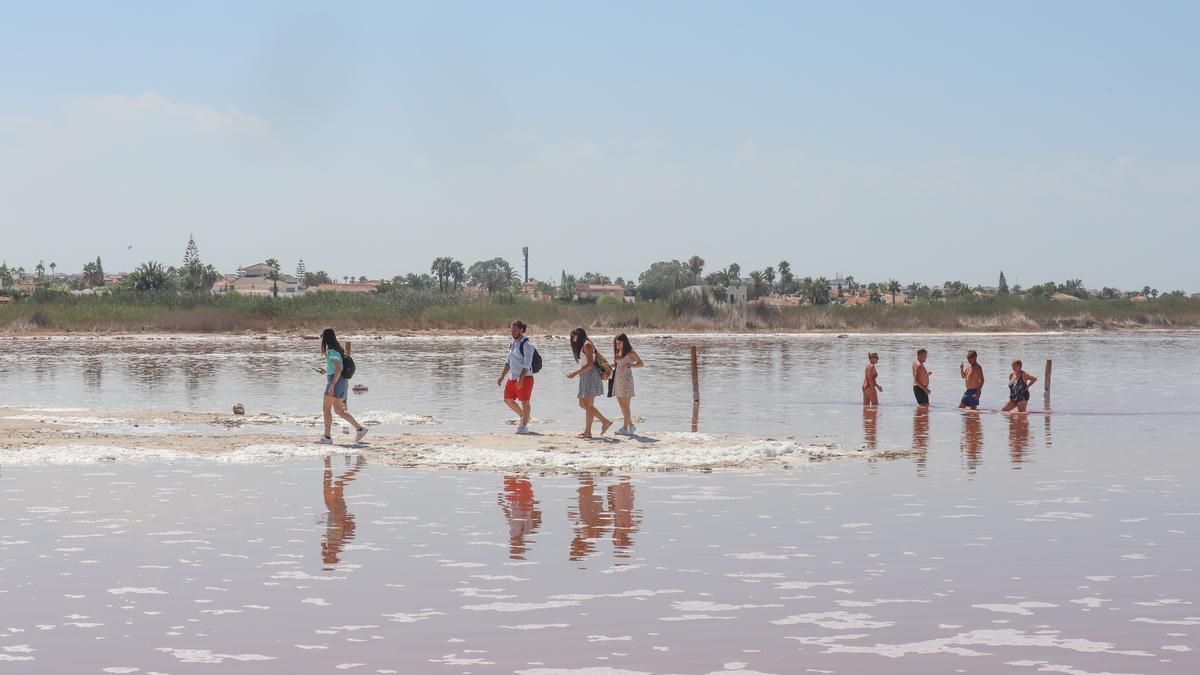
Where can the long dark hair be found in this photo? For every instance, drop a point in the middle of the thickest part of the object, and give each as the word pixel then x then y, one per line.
pixel 625 346
pixel 329 341
pixel 579 338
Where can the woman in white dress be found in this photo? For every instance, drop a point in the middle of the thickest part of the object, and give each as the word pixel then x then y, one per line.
pixel 625 359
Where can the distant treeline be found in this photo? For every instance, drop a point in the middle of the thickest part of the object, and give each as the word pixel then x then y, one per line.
pixel 403 309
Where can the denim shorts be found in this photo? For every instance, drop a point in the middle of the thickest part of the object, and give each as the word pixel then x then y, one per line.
pixel 340 389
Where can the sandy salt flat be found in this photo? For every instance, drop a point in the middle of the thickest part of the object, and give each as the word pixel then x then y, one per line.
pixel 86 437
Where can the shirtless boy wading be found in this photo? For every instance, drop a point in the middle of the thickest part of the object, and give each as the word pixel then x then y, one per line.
pixel 972 374
pixel 921 375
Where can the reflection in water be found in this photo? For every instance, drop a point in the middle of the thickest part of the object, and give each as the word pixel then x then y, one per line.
pixel 625 518
pixel 93 372
pixel 920 437
pixel 198 372
pixel 339 522
pixel 1046 421
pixel 1018 437
pixel 520 508
pixel 152 369
pixel 972 439
pixel 592 521
pixel 871 427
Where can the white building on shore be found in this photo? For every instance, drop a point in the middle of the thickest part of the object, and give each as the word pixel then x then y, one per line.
pixel 253 281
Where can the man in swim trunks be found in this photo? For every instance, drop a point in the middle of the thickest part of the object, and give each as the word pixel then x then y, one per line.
pixel 973 375
pixel 921 375
pixel 518 371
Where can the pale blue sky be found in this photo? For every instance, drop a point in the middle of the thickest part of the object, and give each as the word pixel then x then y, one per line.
pixel 921 141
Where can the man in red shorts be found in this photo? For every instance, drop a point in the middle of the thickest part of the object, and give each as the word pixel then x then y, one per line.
pixel 518 370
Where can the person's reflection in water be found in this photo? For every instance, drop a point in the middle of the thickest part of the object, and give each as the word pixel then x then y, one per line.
pixel 972 439
pixel 625 518
pixel 1046 421
pixel 339 522
pixel 1018 437
pixel 920 438
pixel 93 372
pixel 590 518
pixel 524 517
pixel 870 427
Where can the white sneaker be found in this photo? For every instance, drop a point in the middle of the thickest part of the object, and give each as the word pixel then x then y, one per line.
pixel 361 432
pixel 632 430
pixel 522 429
pixel 325 440
pixel 623 431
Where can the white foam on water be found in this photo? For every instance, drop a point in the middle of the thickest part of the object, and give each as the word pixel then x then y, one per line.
pixel 960 644
pixel 136 591
pixel 77 421
pixel 521 606
pixel 369 417
pixel 208 656
pixel 1021 608
pixel 600 670
pixel 834 620
pixel 414 617
pixel 84 454
pixel 622 456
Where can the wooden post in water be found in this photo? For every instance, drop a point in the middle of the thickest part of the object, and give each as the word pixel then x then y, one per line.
pixel 695 391
pixel 695 377
pixel 1046 380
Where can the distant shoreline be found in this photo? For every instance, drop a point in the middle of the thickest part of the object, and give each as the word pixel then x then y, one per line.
pixel 428 314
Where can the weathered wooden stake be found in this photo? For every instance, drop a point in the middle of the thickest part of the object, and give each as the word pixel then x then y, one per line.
pixel 695 391
pixel 1046 380
pixel 347 346
pixel 695 377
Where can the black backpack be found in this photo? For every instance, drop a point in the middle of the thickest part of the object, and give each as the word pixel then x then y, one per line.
pixel 537 357
pixel 347 367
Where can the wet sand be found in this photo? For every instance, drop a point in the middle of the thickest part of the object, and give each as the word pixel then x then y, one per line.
pixel 89 436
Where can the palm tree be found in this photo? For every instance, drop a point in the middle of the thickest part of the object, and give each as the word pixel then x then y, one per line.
pixel 820 289
pixel 40 269
pixel 53 265
pixel 785 276
pixel 756 283
pixel 274 276
pixel 149 276
pixel 696 266
pixel 769 277
pixel 735 272
pixel 893 287
pixel 209 277
pixel 457 273
pixel 873 294
pixel 441 269
pixel 89 274
pixel 851 285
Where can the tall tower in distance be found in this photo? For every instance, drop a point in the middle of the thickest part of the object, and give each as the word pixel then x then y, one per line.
pixel 525 252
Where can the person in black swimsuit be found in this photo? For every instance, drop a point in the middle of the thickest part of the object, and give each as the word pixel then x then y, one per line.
pixel 1018 388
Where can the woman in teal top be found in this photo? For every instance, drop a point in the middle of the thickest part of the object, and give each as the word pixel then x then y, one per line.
pixel 335 388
